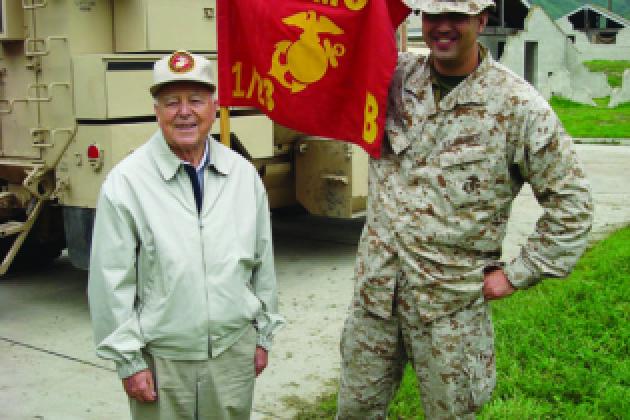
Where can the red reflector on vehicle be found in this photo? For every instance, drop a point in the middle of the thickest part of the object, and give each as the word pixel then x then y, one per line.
pixel 93 152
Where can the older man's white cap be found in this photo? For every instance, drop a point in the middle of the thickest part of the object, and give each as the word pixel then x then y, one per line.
pixel 182 66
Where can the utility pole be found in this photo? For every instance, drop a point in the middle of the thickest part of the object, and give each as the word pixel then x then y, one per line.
pixel 610 5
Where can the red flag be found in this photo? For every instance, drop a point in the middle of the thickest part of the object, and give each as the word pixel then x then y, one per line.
pixel 322 67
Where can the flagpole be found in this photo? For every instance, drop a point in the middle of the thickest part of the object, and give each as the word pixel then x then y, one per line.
pixel 403 37
pixel 224 121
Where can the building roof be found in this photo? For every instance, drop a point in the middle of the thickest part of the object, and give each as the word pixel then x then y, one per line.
pixel 508 14
pixel 602 11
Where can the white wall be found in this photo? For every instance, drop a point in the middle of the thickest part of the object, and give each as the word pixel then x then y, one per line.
pixel 560 69
pixel 491 43
pixel 621 95
pixel 589 51
pixel 551 46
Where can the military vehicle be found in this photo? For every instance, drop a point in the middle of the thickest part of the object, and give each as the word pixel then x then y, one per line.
pixel 74 77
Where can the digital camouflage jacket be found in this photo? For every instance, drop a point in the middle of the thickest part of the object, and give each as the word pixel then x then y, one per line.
pixel 440 197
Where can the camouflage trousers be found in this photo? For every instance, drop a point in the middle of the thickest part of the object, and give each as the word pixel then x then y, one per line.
pixel 453 358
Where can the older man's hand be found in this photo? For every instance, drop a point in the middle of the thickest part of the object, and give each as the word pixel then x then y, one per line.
pixel 260 360
pixel 140 386
pixel 496 285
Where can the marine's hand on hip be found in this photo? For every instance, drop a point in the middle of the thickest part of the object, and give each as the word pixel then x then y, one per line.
pixel 496 285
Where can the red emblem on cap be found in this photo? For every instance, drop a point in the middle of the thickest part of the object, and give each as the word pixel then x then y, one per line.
pixel 181 62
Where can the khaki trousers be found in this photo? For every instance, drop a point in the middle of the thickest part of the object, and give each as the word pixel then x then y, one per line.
pixel 220 388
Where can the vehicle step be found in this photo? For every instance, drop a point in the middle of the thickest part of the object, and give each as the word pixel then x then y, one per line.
pixel 10 228
pixel 7 199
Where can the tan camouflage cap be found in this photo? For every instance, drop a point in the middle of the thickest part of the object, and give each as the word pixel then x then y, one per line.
pixel 469 7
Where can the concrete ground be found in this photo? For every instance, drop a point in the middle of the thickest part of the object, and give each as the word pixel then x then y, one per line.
pixel 47 365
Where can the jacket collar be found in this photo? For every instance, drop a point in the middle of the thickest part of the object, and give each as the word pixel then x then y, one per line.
pixel 411 100
pixel 168 163
pixel 472 90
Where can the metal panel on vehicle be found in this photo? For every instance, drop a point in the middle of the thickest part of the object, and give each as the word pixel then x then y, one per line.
pixel 109 87
pixel 165 25
pixel 84 25
pixel 81 182
pixel 255 132
pixel 19 115
pixel 128 93
pixel 11 20
pixel 325 179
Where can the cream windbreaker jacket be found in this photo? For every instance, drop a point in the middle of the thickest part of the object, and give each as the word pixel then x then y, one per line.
pixel 179 284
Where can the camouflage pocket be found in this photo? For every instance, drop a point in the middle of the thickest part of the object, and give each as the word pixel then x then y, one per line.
pixel 480 358
pixel 377 294
pixel 469 175
pixel 482 378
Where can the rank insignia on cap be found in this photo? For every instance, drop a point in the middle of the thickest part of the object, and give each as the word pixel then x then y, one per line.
pixel 181 62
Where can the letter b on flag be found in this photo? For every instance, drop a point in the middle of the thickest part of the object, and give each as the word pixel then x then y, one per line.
pixel 370 127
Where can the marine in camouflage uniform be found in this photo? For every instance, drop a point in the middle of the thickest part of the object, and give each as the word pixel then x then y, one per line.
pixel 439 202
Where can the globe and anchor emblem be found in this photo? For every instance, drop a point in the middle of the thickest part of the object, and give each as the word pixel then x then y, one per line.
pixel 295 65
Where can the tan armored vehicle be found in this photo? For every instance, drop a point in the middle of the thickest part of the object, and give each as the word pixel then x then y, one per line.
pixel 74 76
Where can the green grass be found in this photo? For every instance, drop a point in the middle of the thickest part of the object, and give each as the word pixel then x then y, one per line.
pixel 600 121
pixel 563 347
pixel 587 121
pixel 614 69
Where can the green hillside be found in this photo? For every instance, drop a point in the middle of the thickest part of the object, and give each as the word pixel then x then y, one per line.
pixel 558 8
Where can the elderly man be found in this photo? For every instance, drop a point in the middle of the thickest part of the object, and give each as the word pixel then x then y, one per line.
pixel 182 287
pixel 463 135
